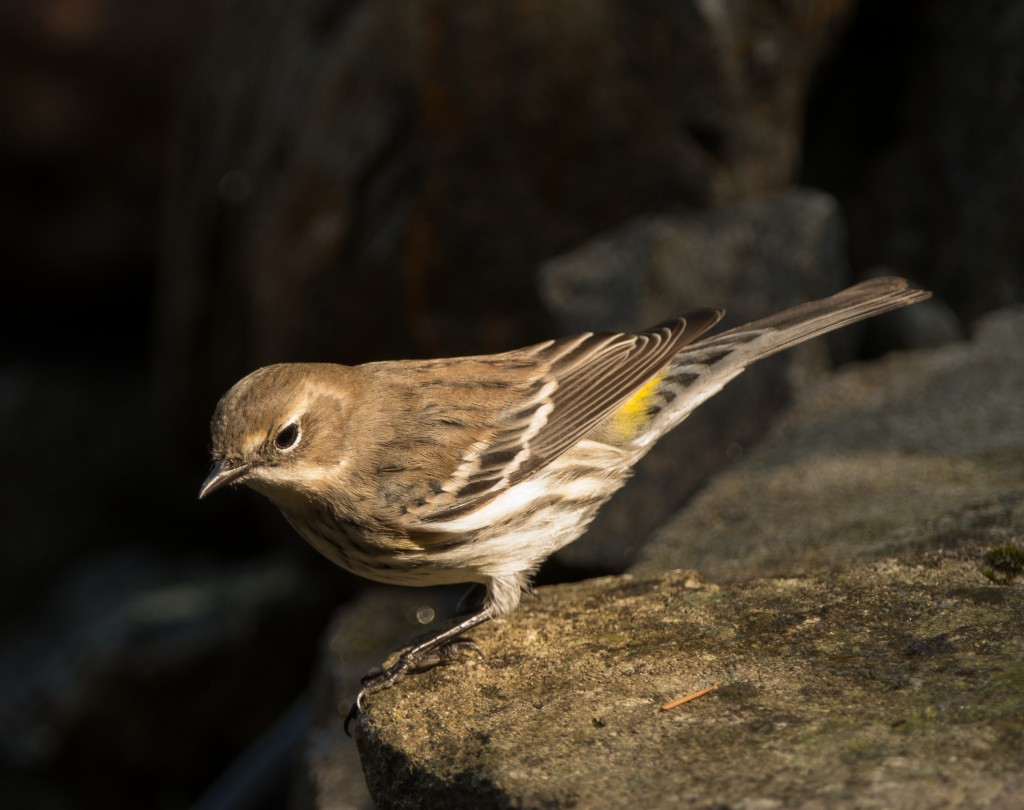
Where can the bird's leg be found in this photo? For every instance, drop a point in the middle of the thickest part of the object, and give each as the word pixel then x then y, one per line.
pixel 435 650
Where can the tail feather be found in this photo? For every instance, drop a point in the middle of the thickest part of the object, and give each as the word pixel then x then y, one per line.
pixel 806 321
pixel 702 369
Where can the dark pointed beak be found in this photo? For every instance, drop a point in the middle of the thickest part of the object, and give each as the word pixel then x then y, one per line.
pixel 223 473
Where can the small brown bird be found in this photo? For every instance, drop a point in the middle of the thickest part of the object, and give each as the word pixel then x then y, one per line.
pixel 476 469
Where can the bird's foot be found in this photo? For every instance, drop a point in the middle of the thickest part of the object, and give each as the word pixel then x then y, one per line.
pixel 439 649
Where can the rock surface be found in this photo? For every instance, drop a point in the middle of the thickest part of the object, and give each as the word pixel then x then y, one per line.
pixel 876 682
pixel 889 685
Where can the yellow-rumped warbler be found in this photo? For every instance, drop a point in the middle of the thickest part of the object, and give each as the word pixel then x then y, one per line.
pixel 476 469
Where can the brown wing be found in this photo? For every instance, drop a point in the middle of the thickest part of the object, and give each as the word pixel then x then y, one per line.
pixel 576 382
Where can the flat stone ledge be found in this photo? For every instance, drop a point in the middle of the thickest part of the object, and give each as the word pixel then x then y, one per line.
pixel 892 684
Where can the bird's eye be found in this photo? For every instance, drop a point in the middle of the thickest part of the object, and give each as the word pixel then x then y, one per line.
pixel 288 436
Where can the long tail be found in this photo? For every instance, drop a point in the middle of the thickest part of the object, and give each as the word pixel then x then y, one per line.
pixel 702 369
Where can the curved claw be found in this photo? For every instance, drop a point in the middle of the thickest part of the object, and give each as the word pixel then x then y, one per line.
pixel 353 713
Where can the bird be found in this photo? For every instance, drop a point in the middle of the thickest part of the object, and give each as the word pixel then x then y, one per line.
pixel 477 469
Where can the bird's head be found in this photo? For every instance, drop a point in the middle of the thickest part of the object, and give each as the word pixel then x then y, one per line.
pixel 277 428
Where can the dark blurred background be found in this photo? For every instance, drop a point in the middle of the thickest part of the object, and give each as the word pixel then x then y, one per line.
pixel 189 190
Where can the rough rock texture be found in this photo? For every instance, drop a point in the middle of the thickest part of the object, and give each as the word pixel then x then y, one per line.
pixel 880 683
pixel 889 685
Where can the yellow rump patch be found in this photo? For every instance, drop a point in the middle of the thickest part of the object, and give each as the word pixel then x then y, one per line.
pixel 632 416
